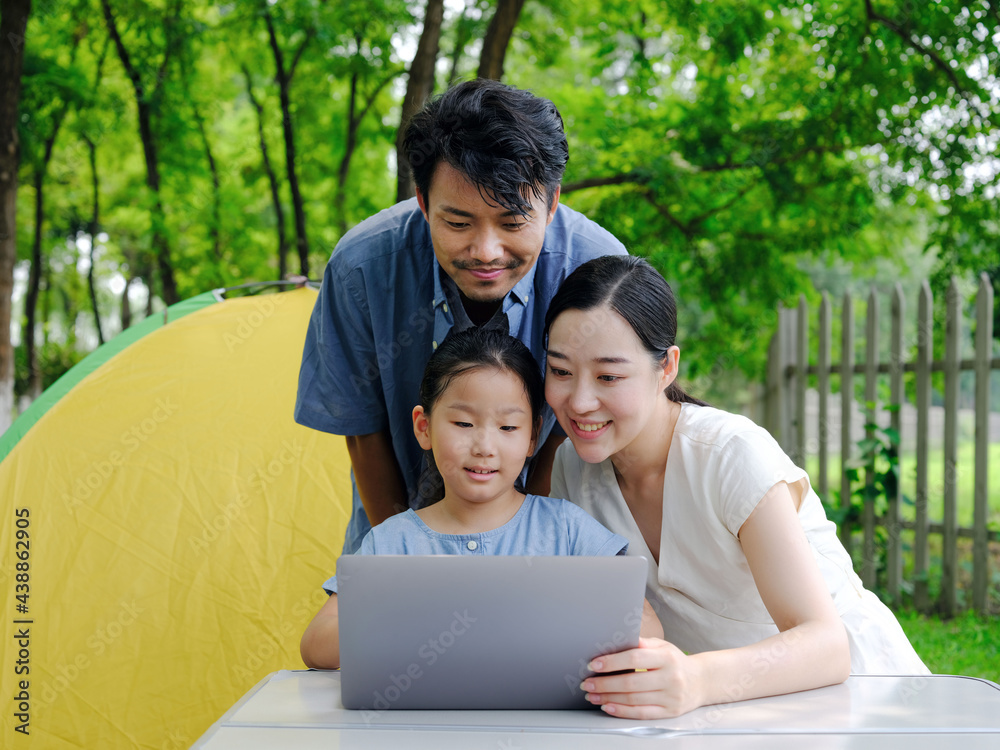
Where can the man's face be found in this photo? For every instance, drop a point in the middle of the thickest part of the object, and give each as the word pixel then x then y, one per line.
pixel 484 248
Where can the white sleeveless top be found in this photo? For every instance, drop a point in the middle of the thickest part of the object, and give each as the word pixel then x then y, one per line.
pixel 719 466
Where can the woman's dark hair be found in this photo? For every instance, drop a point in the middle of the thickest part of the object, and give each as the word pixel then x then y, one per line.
pixel 631 287
pixel 508 142
pixel 477 348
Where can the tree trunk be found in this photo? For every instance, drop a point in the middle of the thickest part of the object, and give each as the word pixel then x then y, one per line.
pixel 34 276
pixel 215 229
pixel 419 87
pixel 94 229
pixel 126 305
pixel 160 244
pixel 46 304
pixel 31 297
pixel 463 33
pixel 13 24
pixel 345 162
pixel 284 79
pixel 271 178
pixel 354 118
pixel 497 38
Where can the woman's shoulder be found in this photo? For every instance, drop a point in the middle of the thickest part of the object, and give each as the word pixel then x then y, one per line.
pixel 707 425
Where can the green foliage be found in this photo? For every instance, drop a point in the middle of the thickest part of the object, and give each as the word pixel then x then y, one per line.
pixel 750 137
pixel 742 146
pixel 54 359
pixel 874 478
pixel 878 458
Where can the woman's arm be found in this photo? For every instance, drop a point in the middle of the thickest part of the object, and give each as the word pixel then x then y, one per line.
pixel 320 645
pixel 810 651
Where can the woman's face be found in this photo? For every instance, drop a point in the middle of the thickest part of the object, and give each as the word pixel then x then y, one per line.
pixel 601 382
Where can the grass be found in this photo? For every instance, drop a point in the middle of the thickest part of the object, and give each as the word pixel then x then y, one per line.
pixel 965 480
pixel 968 644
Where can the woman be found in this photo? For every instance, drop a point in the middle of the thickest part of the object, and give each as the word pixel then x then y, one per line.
pixel 755 592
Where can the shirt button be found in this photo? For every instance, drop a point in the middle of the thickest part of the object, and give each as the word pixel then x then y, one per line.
pixel 434 345
pixel 472 544
pixel 446 307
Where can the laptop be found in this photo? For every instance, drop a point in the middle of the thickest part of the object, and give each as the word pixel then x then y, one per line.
pixel 456 632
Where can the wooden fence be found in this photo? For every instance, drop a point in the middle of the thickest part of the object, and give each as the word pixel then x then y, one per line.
pixel 789 377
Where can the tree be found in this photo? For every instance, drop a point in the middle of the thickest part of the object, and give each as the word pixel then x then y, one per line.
pixel 358 106
pixel 13 26
pixel 40 169
pixel 729 141
pixel 283 75
pixel 272 178
pixel 148 99
pixel 739 145
pixel 498 37
pixel 419 87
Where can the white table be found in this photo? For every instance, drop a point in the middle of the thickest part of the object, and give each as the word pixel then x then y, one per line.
pixel 302 709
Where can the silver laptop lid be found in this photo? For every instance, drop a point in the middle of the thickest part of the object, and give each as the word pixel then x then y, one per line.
pixel 456 632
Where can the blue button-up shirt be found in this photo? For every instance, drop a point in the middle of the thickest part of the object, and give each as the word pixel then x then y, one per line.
pixel 381 311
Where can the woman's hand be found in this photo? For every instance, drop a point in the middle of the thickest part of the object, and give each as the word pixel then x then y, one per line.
pixel 669 686
pixel 809 651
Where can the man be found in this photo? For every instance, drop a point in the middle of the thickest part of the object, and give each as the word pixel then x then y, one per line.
pixel 485 243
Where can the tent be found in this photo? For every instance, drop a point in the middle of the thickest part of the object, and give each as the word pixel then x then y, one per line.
pixel 166 528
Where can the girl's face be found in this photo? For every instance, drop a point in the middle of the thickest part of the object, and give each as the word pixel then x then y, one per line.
pixel 480 431
pixel 601 382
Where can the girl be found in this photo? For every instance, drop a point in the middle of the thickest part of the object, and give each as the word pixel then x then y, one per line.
pixel 480 410
pixel 754 590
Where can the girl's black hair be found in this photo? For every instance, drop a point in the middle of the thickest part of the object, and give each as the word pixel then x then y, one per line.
pixel 631 287
pixel 476 348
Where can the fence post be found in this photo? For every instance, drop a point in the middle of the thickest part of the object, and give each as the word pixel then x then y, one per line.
pixel 868 567
pixel 779 392
pixel 846 402
pixel 894 551
pixel 788 342
pixel 823 386
pixel 949 551
pixel 984 355
pixel 802 365
pixel 772 397
pixel 770 384
pixel 925 354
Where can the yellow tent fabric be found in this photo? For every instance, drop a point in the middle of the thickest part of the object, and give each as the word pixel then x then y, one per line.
pixel 166 528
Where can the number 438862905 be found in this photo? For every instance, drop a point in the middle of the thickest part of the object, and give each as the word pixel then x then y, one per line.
pixel 22 551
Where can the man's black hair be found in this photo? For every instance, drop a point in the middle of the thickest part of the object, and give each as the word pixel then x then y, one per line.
pixel 509 143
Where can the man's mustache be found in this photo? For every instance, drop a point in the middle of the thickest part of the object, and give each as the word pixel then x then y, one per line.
pixel 470 265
